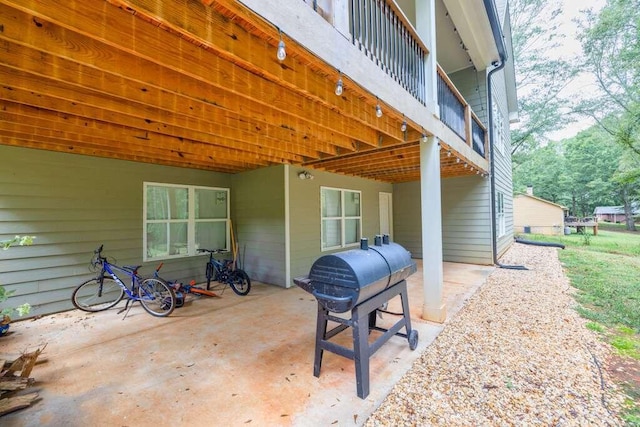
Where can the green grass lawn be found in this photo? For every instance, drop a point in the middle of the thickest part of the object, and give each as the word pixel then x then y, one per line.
pixel 606 271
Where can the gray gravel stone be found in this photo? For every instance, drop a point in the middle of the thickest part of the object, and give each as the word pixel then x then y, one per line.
pixel 517 354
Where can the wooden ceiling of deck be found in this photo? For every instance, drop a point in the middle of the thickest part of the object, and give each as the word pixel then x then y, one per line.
pixel 188 84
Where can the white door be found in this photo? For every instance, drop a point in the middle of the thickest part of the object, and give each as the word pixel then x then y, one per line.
pixel 386 214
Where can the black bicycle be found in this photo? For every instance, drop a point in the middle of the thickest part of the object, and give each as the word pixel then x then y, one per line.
pixel 223 271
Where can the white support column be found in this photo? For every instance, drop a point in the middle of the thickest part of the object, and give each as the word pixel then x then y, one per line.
pixel 426 29
pixel 433 307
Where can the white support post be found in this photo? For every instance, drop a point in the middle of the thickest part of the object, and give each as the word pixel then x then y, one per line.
pixel 426 29
pixel 433 307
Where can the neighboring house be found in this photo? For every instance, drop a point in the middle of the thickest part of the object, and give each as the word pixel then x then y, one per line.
pixel 157 128
pixel 532 214
pixel 613 213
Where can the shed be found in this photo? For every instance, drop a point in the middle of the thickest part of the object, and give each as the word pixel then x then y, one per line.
pixel 535 215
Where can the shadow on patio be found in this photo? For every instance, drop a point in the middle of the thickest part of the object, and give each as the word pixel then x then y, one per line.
pixel 230 361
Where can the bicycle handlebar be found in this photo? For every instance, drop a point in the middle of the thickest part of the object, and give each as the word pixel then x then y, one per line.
pixel 213 251
pixel 98 259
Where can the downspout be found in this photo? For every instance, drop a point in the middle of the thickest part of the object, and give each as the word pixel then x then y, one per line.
pixel 499 65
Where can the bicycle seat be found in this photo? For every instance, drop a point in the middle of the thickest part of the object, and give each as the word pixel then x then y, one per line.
pixel 131 268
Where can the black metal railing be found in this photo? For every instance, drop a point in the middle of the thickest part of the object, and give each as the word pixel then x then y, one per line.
pixel 380 30
pixel 478 136
pixel 451 108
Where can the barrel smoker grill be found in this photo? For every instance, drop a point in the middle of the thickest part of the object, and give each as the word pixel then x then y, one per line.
pixel 361 281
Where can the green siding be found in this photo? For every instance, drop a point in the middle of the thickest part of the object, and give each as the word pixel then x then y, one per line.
pixel 466 221
pixel 258 211
pixel 473 87
pixel 407 217
pixel 304 200
pixel 72 204
pixel 502 163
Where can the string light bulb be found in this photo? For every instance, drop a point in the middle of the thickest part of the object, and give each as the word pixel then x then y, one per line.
pixel 282 52
pixel 339 86
pixel 378 110
pixel 403 126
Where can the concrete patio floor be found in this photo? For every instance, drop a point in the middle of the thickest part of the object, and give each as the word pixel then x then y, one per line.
pixel 232 361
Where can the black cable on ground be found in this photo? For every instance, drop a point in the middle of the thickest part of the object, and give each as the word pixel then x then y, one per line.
pixel 530 242
pixel 511 267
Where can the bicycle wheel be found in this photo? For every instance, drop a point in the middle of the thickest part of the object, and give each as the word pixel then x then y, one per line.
pixel 157 297
pixel 209 274
pixel 95 296
pixel 240 282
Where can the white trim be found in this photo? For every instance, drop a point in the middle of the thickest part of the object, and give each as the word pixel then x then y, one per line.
pixel 287 229
pixel 342 219
pixel 191 220
pixel 389 207
pixel 502 229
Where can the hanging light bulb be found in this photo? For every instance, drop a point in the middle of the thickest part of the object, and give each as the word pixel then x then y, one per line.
pixel 339 87
pixel 378 110
pixel 449 153
pixel 281 53
pixel 403 127
pixel 424 139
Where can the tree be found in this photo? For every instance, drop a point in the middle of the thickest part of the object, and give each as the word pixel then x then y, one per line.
pixel 577 173
pixel 627 177
pixel 591 160
pixel 540 79
pixel 611 44
pixel 544 172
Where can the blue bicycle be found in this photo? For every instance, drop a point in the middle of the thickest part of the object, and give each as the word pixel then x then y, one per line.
pixel 107 289
pixel 223 271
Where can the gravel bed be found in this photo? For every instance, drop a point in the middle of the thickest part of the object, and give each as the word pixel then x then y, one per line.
pixel 516 354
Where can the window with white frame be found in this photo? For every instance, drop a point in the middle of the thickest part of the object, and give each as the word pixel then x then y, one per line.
pixel 498 129
pixel 500 214
pixel 179 219
pixel 341 217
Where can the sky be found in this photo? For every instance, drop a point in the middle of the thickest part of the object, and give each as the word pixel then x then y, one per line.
pixel 571 47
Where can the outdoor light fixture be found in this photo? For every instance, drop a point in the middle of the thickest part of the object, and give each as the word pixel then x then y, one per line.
pixel 378 110
pixel 305 175
pixel 403 126
pixel 339 88
pixel 282 53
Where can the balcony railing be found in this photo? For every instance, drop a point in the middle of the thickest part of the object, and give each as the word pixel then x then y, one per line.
pixel 381 31
pixel 478 135
pixel 456 113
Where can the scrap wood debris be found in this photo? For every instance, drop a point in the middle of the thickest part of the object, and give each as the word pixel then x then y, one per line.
pixel 15 377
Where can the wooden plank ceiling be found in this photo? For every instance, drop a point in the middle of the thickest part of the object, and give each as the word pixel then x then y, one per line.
pixel 188 84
